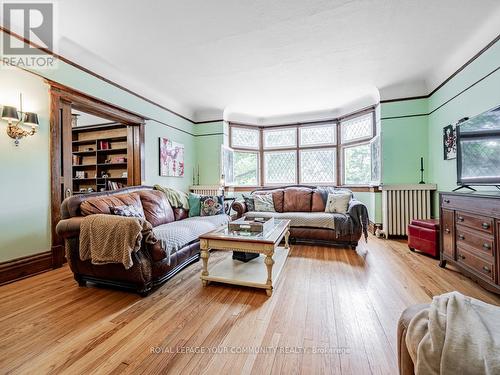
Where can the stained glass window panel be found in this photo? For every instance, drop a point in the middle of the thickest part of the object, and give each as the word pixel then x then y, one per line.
pixel 280 167
pixel 244 138
pixel 280 138
pixel 318 135
pixel 317 166
pixel 357 128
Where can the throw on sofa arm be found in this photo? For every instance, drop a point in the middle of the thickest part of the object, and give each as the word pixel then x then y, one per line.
pixel 240 208
pixel 359 215
pixel 70 228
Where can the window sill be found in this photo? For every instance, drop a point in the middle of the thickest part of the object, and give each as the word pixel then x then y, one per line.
pixel 354 188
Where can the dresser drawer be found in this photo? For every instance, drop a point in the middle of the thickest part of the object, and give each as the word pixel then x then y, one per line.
pixel 483 268
pixel 477 222
pixel 448 233
pixel 475 241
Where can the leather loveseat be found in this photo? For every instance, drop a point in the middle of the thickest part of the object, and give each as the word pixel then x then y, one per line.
pixel 299 203
pixel 151 266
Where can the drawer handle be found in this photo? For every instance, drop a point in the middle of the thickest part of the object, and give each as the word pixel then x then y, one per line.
pixel 461 237
pixel 486 269
pixel 460 218
pixel 446 201
pixel 487 246
pixel 486 226
pixel 461 256
pixel 447 230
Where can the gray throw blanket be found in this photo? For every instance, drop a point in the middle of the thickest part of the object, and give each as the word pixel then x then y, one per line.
pixel 357 216
pixel 345 223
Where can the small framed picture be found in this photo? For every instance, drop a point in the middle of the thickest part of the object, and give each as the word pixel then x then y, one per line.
pixel 449 142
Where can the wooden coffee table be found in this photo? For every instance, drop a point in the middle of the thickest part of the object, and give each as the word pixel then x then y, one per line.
pixel 261 272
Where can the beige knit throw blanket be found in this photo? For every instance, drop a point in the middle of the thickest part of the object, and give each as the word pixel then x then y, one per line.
pixel 176 198
pixel 455 335
pixel 112 239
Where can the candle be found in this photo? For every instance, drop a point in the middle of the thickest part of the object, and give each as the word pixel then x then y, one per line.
pixel 421 163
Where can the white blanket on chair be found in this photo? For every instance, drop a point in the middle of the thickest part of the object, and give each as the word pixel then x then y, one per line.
pixel 455 335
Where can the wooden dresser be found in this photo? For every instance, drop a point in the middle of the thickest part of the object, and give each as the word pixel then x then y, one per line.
pixel 470 235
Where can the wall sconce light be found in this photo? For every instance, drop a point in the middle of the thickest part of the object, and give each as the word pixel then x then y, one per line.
pixel 16 126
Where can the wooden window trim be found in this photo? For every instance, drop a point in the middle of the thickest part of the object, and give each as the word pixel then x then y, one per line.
pixel 338 145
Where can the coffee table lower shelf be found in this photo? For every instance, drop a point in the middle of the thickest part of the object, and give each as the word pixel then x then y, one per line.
pixel 252 273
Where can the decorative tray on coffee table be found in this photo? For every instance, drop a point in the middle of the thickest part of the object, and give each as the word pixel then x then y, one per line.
pixel 254 225
pixel 251 227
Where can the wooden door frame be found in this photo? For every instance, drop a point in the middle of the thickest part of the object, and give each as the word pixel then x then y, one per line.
pixel 62 99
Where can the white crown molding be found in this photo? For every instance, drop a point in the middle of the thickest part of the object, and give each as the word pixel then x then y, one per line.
pixel 364 101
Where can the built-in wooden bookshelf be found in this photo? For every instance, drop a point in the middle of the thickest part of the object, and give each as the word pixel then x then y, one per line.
pixel 100 157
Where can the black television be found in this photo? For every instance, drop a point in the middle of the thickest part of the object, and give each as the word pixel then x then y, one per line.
pixel 478 150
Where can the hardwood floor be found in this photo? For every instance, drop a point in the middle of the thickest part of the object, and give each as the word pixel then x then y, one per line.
pixel 343 304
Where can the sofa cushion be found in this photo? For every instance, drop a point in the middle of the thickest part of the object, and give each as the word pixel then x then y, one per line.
pixel 264 203
pixel 157 210
pixel 277 198
pixel 174 236
pixel 297 199
pixel 300 219
pixel 127 211
pixel 194 204
pixel 249 202
pixel 318 203
pixel 211 205
pixel 338 203
pixel 101 204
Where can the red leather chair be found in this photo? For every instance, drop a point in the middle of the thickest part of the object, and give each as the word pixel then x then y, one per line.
pixel 423 235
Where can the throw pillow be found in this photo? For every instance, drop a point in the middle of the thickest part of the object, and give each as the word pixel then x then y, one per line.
pixel 211 206
pixel 338 203
pixel 264 203
pixel 128 211
pixel 194 204
pixel 249 202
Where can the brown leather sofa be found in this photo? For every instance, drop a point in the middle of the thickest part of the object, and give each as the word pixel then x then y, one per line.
pixel 405 363
pixel 301 199
pixel 150 264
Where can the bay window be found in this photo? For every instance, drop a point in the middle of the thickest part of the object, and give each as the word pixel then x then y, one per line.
pixel 335 152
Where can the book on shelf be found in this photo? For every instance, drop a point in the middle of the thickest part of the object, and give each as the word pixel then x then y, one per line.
pixel 104 145
pixel 77 160
pixel 112 185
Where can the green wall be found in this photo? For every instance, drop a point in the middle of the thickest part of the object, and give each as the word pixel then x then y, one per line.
pixel 153 131
pixel 25 185
pixel 404 140
pixel 208 141
pixel 414 128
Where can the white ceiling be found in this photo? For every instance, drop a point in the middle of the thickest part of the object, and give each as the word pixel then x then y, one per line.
pixel 264 58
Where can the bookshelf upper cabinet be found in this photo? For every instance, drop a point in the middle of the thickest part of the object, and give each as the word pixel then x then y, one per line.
pixel 100 158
